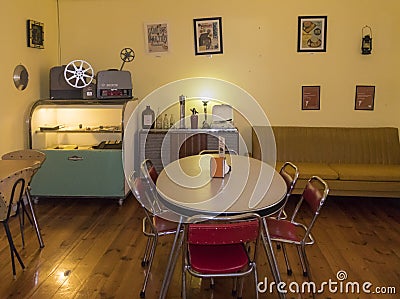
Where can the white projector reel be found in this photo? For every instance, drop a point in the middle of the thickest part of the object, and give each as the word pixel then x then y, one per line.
pixel 78 73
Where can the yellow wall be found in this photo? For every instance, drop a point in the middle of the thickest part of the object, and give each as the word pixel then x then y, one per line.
pixel 260 42
pixel 14 104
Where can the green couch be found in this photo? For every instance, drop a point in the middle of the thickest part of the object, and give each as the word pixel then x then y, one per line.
pixel 353 161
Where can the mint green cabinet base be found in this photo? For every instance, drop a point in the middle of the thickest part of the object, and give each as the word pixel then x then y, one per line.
pixel 80 173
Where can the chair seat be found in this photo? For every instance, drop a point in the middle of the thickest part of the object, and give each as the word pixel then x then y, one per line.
pixel 164 225
pixel 284 230
pixel 218 259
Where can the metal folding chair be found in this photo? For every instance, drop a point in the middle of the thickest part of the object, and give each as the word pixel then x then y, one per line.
pixel 11 190
pixel 225 246
pixel 28 154
pixel 292 232
pixel 290 173
pixel 149 170
pixel 153 225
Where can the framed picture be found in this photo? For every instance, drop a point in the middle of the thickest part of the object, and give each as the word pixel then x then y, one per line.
pixel 311 34
pixel 310 97
pixel 35 34
pixel 208 36
pixel 156 37
pixel 364 97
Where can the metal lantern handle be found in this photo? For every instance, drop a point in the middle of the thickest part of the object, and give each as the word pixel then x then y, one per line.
pixel 365 28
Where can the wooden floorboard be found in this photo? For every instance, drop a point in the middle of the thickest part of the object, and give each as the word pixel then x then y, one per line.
pixel 93 249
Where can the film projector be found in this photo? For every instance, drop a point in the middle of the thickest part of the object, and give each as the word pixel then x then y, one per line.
pixel 75 80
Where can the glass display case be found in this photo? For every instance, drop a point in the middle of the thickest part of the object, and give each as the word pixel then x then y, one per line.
pixel 82 140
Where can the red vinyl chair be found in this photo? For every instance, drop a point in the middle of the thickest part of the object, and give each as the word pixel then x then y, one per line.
pixel 149 170
pixel 221 247
pixel 290 173
pixel 153 225
pixel 286 231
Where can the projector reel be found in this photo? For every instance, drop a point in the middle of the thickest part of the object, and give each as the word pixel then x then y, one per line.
pixel 78 73
pixel 126 55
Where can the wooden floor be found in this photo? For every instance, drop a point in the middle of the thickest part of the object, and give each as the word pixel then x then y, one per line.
pixel 93 249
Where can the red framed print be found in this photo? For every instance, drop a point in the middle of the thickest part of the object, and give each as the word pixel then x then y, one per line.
pixel 365 96
pixel 310 97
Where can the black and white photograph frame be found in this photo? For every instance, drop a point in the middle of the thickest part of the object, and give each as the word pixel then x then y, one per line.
pixel 35 34
pixel 312 33
pixel 156 37
pixel 208 36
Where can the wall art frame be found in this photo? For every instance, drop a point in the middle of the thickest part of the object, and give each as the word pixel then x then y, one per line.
pixel 365 97
pixel 156 37
pixel 208 36
pixel 311 96
pixel 312 33
pixel 35 34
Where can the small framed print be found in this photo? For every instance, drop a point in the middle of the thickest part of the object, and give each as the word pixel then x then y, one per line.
pixel 208 36
pixel 35 34
pixel 310 98
pixel 311 34
pixel 365 96
pixel 156 37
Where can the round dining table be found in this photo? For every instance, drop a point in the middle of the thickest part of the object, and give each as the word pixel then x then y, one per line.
pixel 187 187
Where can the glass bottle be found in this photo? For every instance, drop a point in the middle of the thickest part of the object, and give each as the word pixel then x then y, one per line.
pixel 171 121
pixel 147 118
pixel 165 122
pixel 159 123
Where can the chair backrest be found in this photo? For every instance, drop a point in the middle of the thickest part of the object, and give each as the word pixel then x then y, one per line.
pixel 215 151
pixel 26 154
pixel 224 230
pixel 314 195
pixel 290 174
pixel 245 229
pixel 11 190
pixel 149 170
pixel 143 193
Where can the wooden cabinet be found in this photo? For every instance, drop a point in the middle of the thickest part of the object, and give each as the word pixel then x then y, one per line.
pixel 82 140
pixel 165 146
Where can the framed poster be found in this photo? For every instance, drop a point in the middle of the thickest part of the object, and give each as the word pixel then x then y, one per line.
pixel 311 34
pixel 310 97
pixel 156 37
pixel 208 36
pixel 364 97
pixel 35 34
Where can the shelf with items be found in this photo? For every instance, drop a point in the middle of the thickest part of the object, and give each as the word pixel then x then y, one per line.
pixel 82 122
pixel 82 141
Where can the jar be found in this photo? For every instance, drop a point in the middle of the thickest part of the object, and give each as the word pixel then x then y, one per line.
pixel 147 118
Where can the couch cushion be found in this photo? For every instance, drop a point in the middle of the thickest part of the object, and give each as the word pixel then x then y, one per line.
pixel 307 170
pixel 367 172
pixel 336 145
